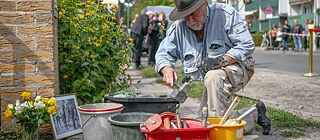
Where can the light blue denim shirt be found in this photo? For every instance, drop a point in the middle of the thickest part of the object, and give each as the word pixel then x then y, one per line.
pixel 225 33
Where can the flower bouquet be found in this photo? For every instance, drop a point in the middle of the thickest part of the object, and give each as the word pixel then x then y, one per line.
pixel 30 114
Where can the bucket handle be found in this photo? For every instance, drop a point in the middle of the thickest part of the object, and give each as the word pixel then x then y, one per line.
pixel 93 115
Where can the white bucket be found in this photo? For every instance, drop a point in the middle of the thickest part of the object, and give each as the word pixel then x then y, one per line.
pixel 95 120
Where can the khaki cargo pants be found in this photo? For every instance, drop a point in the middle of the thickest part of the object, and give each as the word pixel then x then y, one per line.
pixel 220 84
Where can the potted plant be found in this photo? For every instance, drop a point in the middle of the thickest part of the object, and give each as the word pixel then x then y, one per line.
pixel 30 113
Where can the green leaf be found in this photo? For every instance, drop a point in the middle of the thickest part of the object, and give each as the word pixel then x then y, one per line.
pixel 85 75
pixel 95 73
pixel 94 99
pixel 85 64
pixel 41 121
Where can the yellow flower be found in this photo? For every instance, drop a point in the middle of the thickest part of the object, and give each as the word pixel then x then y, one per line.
pixel 81 16
pixel 52 110
pixel 124 26
pixel 96 44
pixel 65 76
pixel 89 13
pixel 114 23
pixel 61 13
pixel 87 53
pixel 52 101
pixel 91 56
pixel 117 26
pixel 130 39
pixel 56 107
pixel 113 18
pixel 8 113
pixel 31 103
pixel 44 100
pixel 78 47
pixel 100 40
pixel 25 95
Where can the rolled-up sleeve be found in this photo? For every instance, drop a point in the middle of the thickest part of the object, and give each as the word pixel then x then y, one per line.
pixel 240 37
pixel 167 53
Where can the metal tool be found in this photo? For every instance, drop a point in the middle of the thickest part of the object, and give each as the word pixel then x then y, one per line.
pixel 181 94
pixel 166 117
pixel 173 125
pixel 204 117
pixel 233 105
pixel 179 124
pixel 184 124
pixel 228 122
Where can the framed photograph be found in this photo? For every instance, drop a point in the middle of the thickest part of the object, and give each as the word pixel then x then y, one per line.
pixel 66 122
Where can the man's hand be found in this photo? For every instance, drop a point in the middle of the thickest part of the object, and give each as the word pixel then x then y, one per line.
pixel 169 75
pixel 213 63
pixel 216 63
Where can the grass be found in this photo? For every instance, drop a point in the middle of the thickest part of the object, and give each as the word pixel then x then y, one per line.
pixel 292 134
pixel 280 119
pixel 149 72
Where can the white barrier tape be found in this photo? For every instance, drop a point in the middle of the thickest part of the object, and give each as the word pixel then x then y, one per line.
pixel 294 34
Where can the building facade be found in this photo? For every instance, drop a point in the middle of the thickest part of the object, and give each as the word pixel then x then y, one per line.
pixel 258 15
pixel 28 51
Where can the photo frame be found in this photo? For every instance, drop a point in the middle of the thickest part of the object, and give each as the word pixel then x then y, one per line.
pixel 66 122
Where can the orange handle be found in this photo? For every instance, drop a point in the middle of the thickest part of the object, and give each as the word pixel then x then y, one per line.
pixel 166 123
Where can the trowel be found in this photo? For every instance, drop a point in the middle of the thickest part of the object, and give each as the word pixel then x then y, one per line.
pixel 180 94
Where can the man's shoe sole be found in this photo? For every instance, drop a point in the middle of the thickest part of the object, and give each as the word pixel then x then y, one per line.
pixel 263 120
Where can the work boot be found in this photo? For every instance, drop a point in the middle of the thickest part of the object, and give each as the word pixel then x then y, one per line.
pixel 263 120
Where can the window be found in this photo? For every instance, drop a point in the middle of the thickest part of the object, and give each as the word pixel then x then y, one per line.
pixel 307 9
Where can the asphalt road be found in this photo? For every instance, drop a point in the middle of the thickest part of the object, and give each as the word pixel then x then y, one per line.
pixel 288 62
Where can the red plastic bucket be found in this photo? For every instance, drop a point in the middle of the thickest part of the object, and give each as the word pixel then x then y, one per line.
pixel 194 132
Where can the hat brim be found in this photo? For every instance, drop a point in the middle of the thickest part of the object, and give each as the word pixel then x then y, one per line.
pixel 175 14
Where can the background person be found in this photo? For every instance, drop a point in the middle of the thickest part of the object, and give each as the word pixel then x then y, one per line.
pixel 154 41
pixel 311 25
pixel 297 30
pixel 139 30
pixel 286 30
pixel 273 34
pixel 305 33
pixel 279 38
pixel 164 25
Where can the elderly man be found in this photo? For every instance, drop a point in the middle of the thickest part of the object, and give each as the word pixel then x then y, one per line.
pixel 215 46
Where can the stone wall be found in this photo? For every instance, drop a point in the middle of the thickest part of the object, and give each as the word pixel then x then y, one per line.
pixel 28 50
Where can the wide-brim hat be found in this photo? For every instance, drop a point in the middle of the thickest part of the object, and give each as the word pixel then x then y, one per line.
pixel 184 8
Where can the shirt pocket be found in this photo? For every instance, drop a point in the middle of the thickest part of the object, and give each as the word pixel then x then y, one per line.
pixel 240 33
pixel 189 59
pixel 216 48
pixel 239 28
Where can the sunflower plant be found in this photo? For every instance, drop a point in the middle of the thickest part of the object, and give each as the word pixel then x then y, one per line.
pixel 94 50
pixel 34 111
